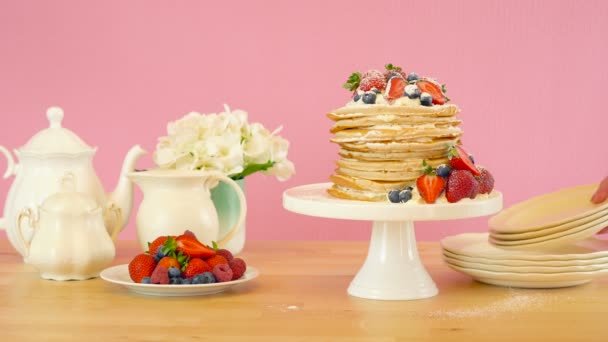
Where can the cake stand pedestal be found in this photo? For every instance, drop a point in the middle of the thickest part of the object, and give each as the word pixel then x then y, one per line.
pixel 392 270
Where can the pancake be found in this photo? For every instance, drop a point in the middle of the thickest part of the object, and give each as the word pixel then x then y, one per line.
pixel 412 121
pixel 415 145
pixel 394 133
pixel 356 195
pixel 359 111
pixel 388 156
pixel 367 185
pixel 380 175
pixel 413 165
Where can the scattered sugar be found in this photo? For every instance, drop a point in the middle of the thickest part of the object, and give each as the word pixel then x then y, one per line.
pixel 514 302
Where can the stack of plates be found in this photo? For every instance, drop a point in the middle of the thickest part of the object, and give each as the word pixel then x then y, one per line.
pixel 549 221
pixel 571 265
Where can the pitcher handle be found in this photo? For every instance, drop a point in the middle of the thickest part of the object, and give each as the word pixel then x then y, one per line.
pixel 118 213
pixel 243 205
pixel 10 167
pixel 25 213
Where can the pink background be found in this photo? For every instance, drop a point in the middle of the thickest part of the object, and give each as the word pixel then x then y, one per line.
pixel 530 78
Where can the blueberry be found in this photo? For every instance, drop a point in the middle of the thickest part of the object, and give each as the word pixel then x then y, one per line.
pixel 412 91
pixel 186 281
pixel 405 196
pixel 174 272
pixel 472 159
pixel 426 99
pixel 197 279
pixel 412 77
pixel 208 278
pixel 393 196
pixel 146 280
pixel 369 98
pixel 443 171
pixel 356 98
pixel 159 252
pixel 175 281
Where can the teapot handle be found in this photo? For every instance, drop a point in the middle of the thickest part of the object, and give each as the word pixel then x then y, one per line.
pixel 25 213
pixel 118 213
pixel 243 205
pixel 11 167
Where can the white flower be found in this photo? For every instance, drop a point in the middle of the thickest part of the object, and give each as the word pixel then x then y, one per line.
pixel 225 142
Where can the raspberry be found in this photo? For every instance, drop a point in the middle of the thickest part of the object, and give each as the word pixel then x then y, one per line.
pixel 160 275
pixel 222 273
pixel 225 253
pixel 368 84
pixel 374 73
pixel 216 260
pixel 238 267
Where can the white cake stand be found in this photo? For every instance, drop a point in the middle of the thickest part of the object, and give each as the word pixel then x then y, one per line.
pixel 392 270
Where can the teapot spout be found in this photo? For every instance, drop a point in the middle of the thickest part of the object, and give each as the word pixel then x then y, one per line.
pixel 122 196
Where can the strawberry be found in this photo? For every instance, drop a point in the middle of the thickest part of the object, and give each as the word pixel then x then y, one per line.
pixel 216 260
pixel 393 69
pixel 459 160
pixel 153 246
pixel 368 84
pixel 396 86
pixel 168 262
pixel 461 184
pixel 141 266
pixel 434 89
pixel 196 266
pixel 188 246
pixel 429 184
pixel 486 182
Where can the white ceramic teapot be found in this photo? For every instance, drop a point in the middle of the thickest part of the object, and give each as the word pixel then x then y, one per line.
pixel 70 240
pixel 44 160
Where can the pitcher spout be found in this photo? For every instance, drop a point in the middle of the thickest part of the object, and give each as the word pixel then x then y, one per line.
pixel 122 196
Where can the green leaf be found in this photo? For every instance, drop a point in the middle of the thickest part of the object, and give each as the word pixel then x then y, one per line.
pixel 390 67
pixel 253 168
pixel 427 169
pixel 215 246
pixel 443 89
pixel 452 152
pixel 353 81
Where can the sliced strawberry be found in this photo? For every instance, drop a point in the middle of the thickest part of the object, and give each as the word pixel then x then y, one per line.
pixel 429 184
pixel 394 89
pixel 459 160
pixel 192 247
pixel 434 89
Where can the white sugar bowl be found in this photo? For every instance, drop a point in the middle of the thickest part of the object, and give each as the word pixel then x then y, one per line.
pixel 70 240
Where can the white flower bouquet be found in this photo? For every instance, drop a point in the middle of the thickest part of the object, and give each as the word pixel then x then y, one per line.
pixel 224 142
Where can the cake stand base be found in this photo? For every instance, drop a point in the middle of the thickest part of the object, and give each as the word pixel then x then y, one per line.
pixel 392 270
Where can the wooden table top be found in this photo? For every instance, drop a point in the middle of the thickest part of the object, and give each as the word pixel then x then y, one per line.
pixel 299 295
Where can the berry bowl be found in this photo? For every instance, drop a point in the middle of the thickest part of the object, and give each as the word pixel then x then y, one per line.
pixel 120 275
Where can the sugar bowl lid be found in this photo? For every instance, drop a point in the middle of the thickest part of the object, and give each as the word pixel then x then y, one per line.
pixel 55 139
pixel 68 200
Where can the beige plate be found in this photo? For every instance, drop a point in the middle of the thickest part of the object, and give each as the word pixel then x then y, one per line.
pixel 602 222
pixel 548 210
pixel 530 280
pixel 525 269
pixel 477 245
pixel 555 242
pixel 509 262
pixel 552 230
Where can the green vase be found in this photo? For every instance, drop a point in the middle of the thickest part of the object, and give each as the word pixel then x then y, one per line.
pixel 227 205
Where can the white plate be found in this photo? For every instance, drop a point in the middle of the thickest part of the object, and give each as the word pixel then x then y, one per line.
pixel 545 232
pixel 477 245
pixel 547 210
pixel 313 200
pixel 531 280
pixel 120 275
pixel 509 262
pixel 524 269
pixel 588 227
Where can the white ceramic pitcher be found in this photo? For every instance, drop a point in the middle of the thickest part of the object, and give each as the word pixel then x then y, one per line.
pixel 176 200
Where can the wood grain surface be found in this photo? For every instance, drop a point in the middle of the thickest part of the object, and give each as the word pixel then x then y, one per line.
pixel 299 296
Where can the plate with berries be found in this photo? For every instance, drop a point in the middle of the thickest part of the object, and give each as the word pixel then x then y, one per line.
pixel 181 266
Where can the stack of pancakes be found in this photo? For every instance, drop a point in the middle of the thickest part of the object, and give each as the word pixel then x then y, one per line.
pixel 382 147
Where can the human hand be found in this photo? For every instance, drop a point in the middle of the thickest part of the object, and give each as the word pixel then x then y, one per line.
pixel 601 194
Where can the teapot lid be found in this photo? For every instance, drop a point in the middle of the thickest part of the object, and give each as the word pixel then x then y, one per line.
pixel 55 139
pixel 68 200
